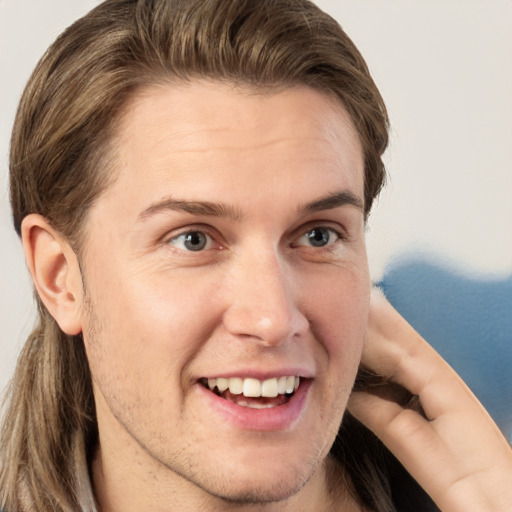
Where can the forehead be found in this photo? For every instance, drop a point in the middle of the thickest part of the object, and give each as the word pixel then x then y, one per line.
pixel 196 138
pixel 208 106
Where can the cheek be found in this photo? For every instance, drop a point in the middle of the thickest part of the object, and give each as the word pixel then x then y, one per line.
pixel 339 323
pixel 340 309
pixel 148 328
pixel 340 327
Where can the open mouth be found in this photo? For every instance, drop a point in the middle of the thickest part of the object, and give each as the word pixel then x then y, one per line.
pixel 254 393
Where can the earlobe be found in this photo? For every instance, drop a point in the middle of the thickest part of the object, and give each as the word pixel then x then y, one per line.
pixel 55 271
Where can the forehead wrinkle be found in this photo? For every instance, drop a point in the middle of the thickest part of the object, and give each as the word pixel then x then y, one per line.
pixel 178 143
pixel 192 126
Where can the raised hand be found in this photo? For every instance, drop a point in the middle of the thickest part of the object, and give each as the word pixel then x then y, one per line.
pixel 441 433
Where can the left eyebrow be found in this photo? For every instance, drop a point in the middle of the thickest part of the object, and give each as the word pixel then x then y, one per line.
pixel 193 207
pixel 333 200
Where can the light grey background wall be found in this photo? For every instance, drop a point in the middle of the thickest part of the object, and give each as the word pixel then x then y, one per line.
pixel 444 68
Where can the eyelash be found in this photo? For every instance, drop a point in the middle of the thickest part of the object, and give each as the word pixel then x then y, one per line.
pixel 196 240
pixel 327 230
pixel 191 230
pixel 210 239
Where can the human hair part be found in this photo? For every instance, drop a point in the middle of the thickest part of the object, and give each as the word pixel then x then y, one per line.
pixel 63 156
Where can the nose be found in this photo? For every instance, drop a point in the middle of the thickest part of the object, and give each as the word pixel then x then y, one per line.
pixel 264 303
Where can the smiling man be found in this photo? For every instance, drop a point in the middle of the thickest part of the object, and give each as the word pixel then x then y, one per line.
pixel 191 181
pixel 235 354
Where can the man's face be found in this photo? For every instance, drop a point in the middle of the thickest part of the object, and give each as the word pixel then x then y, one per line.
pixel 229 251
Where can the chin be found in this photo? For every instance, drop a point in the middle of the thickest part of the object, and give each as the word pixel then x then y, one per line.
pixel 258 492
pixel 262 480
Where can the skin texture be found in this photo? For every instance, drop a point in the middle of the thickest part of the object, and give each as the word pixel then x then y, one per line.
pixel 259 298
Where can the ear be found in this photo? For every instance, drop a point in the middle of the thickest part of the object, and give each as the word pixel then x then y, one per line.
pixel 55 271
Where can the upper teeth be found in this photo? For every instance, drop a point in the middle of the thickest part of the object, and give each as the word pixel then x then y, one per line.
pixel 255 388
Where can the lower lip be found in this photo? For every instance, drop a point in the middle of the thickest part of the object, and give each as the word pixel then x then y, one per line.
pixel 281 417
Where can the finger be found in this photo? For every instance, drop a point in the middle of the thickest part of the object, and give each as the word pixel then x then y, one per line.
pixel 396 351
pixel 460 454
pixel 422 451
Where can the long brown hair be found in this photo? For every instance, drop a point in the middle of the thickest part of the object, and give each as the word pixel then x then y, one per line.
pixel 59 157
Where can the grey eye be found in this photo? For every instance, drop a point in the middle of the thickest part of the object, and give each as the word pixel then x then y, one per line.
pixel 191 241
pixel 318 237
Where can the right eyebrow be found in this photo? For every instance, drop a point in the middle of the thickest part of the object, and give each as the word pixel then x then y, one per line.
pixel 334 200
pixel 206 208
